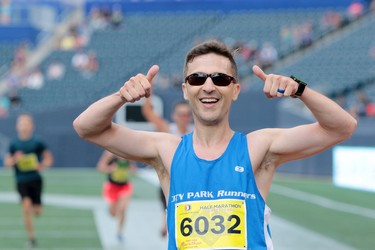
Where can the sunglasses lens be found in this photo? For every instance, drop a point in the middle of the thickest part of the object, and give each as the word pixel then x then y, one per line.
pixel 196 79
pixel 221 80
pixel 218 79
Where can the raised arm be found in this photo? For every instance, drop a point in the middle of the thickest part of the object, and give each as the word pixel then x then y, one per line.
pixel 159 122
pixel 95 123
pixel 333 125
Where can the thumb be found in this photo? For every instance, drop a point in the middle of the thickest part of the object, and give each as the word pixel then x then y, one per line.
pixel 259 72
pixel 152 72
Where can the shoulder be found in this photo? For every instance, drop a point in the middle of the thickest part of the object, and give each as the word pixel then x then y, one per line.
pixel 166 144
pixel 262 135
pixel 259 143
pixel 37 139
pixel 13 141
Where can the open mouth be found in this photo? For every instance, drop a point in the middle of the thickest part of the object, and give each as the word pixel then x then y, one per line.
pixel 209 100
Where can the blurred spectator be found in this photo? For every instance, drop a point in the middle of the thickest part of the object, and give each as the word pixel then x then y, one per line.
pixel 342 101
pixel 35 79
pixel 55 70
pixel 20 56
pixel 4 106
pixel 331 20
pixel 117 16
pixel 5 12
pixel 267 55
pixel 80 60
pixel 92 65
pixel 359 107
pixel 286 36
pixel 306 34
pixel 14 79
pixel 98 19
pixel 355 10
pixel 68 42
pixel 370 109
pixel 76 38
pixel 15 99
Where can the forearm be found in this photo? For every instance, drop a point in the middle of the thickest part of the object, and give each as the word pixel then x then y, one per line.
pixel 330 116
pixel 98 116
pixel 9 161
pixel 47 160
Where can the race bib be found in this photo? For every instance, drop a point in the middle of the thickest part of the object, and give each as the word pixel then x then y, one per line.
pixel 219 224
pixel 28 162
pixel 120 175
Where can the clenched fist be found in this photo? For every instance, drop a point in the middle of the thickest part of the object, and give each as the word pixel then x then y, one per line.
pixel 276 85
pixel 138 86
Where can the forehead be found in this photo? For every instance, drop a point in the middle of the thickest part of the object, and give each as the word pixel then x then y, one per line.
pixel 182 107
pixel 24 119
pixel 209 63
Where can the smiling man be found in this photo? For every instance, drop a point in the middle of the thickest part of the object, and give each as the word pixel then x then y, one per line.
pixel 197 169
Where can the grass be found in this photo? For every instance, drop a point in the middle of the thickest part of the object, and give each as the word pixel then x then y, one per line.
pixel 354 230
pixel 61 228
pixel 57 228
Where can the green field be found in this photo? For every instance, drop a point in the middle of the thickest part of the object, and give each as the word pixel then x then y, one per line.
pixel 60 228
pixel 354 230
pixel 67 228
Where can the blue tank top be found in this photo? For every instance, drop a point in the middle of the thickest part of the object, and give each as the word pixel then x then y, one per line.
pixel 215 204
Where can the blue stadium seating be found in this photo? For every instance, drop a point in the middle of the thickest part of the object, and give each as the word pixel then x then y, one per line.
pixel 154 38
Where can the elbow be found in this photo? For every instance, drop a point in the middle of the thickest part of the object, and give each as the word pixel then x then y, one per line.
pixel 352 126
pixel 80 130
pixel 348 129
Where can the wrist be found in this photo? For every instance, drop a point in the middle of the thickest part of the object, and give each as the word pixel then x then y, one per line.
pixel 118 93
pixel 301 87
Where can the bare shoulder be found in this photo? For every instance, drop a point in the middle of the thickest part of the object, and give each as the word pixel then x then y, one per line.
pixel 167 144
pixel 259 143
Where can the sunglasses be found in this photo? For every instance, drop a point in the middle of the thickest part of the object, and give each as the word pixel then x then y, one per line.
pixel 219 79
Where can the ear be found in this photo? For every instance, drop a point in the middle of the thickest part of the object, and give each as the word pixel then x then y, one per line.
pixel 236 91
pixel 184 91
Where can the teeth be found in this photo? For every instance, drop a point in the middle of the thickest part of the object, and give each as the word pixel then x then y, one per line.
pixel 209 100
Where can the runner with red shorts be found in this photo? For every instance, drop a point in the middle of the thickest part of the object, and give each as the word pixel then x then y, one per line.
pixel 117 190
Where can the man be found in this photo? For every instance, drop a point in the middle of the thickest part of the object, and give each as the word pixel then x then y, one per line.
pixel 28 155
pixel 217 180
pixel 118 189
pixel 181 116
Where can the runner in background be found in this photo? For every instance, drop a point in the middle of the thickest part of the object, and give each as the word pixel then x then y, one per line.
pixel 28 155
pixel 118 189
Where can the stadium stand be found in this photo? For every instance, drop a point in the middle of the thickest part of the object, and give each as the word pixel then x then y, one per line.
pixel 163 37
pixel 132 47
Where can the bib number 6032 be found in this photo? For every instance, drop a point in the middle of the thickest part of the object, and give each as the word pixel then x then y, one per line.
pixel 201 225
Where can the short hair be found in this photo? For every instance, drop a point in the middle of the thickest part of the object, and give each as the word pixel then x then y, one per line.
pixel 211 46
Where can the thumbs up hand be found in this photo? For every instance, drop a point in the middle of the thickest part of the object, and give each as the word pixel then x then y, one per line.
pixel 138 86
pixel 276 85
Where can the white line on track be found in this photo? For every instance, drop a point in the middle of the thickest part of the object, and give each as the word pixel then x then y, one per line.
pixel 323 202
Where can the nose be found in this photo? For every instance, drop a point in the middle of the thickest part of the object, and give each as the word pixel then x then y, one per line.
pixel 208 85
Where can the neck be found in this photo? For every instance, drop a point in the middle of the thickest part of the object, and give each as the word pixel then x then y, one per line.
pixel 209 143
pixel 210 136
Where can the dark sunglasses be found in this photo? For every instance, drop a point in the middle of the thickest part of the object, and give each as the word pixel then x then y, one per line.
pixel 219 79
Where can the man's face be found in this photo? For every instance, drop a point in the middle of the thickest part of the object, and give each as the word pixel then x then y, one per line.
pixel 210 103
pixel 182 114
pixel 25 126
